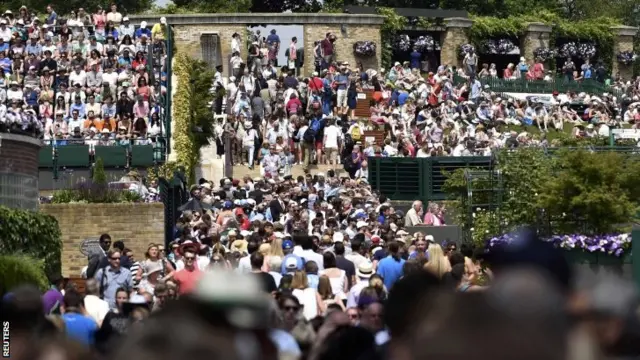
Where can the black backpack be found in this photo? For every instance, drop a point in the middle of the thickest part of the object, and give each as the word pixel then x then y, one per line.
pixel 309 135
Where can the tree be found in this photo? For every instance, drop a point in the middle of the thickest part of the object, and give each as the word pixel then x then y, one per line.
pixel 202 6
pixel 99 176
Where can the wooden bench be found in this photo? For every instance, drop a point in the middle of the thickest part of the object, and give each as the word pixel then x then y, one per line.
pixel 378 135
pixel 362 105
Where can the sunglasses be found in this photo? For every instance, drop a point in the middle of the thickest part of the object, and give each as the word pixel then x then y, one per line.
pixel 291 308
pixel 189 257
pixel 353 316
pixel 115 258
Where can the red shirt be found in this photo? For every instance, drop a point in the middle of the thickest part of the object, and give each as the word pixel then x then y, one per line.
pixel 187 280
pixel 327 47
pixel 316 84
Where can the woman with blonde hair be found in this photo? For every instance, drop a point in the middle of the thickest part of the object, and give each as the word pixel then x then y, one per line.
pixel 275 251
pixel 326 294
pixel 438 264
pixel 154 261
pixel 308 297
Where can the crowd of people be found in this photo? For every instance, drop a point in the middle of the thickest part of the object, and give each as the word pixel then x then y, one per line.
pixel 321 268
pixel 276 117
pixel 84 78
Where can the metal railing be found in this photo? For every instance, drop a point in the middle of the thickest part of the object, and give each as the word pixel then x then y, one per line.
pixel 558 84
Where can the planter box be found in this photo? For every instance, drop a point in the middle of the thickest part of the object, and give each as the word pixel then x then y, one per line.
pixel 598 262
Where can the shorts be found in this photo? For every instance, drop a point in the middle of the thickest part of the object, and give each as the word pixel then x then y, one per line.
pixel 341 99
pixel 319 145
pixel 330 152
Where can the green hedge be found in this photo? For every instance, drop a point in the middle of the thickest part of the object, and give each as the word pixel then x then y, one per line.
pixel 30 233
pixel 16 270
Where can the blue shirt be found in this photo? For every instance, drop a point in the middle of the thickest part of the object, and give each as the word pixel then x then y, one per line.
pixel 391 270
pixel 402 98
pixel 112 281
pixel 587 73
pixel 342 81
pixel 415 254
pixel 273 38
pixel 415 59
pixel 80 328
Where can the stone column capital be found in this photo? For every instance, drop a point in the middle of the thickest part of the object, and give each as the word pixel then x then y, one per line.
pixel 538 27
pixel 623 30
pixel 458 22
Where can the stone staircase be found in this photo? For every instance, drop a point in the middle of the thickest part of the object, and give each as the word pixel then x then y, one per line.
pixel 239 171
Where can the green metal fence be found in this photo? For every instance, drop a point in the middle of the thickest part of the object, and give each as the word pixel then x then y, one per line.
pixel 167 98
pixel 54 155
pixel 418 178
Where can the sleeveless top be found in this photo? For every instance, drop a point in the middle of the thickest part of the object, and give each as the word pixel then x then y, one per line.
pixel 307 298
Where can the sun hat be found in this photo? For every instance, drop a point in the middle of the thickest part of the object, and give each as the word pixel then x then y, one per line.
pixel 364 270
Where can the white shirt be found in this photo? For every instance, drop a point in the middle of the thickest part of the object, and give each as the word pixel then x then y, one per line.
pixel 356 259
pixel 331 135
pixel 244 265
pixel 96 308
pixel 308 255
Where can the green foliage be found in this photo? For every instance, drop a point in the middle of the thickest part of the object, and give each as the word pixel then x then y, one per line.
pixel 30 233
pixel 596 190
pixel 96 191
pixel 393 23
pixel 572 191
pixel 201 6
pixel 17 270
pixel 166 171
pixel 99 176
pixel 192 116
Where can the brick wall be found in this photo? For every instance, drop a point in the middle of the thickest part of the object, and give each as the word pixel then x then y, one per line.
pixel 623 42
pixel 344 43
pixel 188 39
pixel 537 36
pixel 19 155
pixel 136 224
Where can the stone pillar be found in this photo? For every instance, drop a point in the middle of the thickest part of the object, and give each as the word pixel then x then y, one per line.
pixel 452 39
pixel 537 36
pixel 623 42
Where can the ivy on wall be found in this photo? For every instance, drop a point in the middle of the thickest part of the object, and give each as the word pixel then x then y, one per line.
pixel 393 23
pixel 32 234
pixel 192 116
pixel 597 30
pixel 17 270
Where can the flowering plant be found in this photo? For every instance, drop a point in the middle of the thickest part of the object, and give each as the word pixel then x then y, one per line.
pixel 402 42
pixel 614 244
pixel 568 50
pixel 425 43
pixel 364 48
pixel 627 57
pixel 465 49
pixel 502 46
pixel 544 54
pixel 586 50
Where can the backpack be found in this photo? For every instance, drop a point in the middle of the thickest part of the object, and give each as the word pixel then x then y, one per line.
pixel 309 135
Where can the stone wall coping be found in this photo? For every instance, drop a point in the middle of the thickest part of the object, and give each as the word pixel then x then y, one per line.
pixel 538 27
pixel 624 30
pixel 261 18
pixel 19 138
pixel 458 22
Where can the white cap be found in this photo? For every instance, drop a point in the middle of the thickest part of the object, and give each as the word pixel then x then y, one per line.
pixel 232 78
pixel 143 24
pixel 361 224
pixel 429 238
pixel 126 18
pixel 291 263
pixel 338 237
pixel 163 20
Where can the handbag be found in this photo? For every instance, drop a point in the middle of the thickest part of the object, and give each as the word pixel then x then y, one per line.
pixel 292 64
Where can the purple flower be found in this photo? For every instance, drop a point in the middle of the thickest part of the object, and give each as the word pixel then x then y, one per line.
pixel 613 244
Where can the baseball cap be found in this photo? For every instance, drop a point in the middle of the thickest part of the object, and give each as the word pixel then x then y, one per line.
pixel 287 244
pixel 291 264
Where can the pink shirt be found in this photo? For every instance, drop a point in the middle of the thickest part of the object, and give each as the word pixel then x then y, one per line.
pixel 187 280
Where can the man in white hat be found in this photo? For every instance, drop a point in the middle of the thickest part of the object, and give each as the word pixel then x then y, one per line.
pixel 363 273
pixel 159 30
pixel 143 30
pixel 126 28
